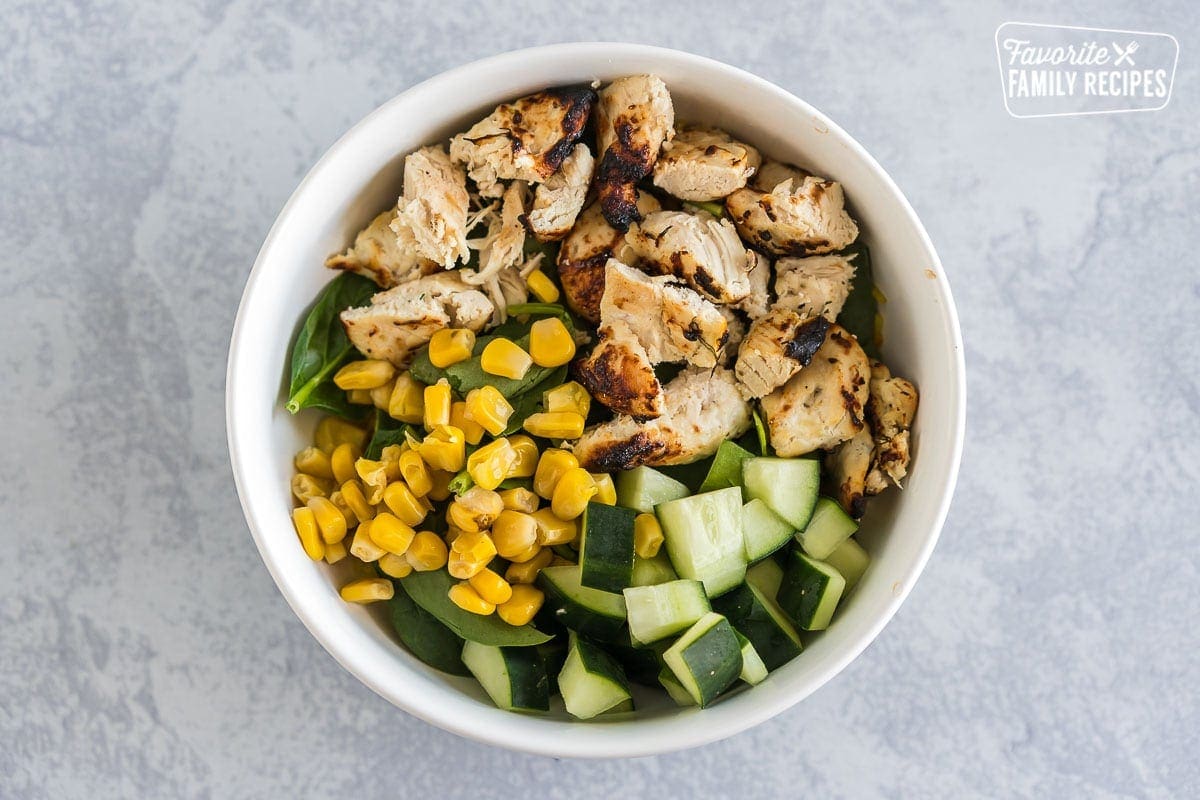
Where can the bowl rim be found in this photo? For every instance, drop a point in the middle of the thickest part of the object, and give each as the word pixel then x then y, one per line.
pixel 614 740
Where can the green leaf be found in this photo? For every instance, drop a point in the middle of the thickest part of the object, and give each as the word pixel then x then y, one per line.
pixel 429 591
pixel 716 209
pixel 387 431
pixel 321 347
pixel 760 431
pixel 861 308
pixel 425 637
pixel 530 401
pixel 461 483
pixel 726 469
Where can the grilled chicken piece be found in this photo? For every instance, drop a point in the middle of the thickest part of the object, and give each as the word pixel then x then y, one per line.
pixel 526 140
pixel 800 215
pixel 704 164
pixel 702 408
pixel 557 201
pixel 778 346
pixel 585 252
pixel 890 409
pixel 618 373
pixel 822 405
pixel 672 322
pixel 404 318
pixel 431 219
pixel 735 327
pixel 506 235
pixel 771 173
pixel 758 301
pixel 696 248
pixel 847 468
pixel 377 255
pixel 817 285
pixel 634 116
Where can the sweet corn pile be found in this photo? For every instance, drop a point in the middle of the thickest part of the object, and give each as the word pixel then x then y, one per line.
pixel 514 498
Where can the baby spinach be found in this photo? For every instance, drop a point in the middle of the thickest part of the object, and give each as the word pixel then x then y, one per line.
pixel 530 402
pixel 322 346
pixel 861 308
pixel 425 637
pixel 429 590
pixel 387 431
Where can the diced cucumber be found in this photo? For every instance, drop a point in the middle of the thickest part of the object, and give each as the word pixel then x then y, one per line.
pixel 649 571
pixel 707 659
pixel 828 528
pixel 514 677
pixel 756 616
pixel 675 688
pixel 726 469
pixel 703 536
pixel 621 708
pixel 851 561
pixel 606 547
pixel 641 663
pixel 754 671
pixel 656 612
pixel 588 611
pixel 643 488
pixel 788 485
pixel 766 576
pixel 591 681
pixel 810 591
pixel 763 531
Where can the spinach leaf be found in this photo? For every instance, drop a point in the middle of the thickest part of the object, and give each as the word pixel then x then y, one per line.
pixel 543 310
pixel 429 591
pixel 467 375
pixel 861 308
pixel 760 431
pixel 530 401
pixel 387 431
pixel 425 637
pixel 321 347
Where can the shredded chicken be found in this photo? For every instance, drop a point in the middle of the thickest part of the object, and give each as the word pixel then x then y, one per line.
pixel 557 201
pixel 431 219
pixel 506 236
pixel 376 254
pixel 778 345
pixel 634 116
pixel 817 285
pixel 696 248
pixel 704 164
pixel 801 215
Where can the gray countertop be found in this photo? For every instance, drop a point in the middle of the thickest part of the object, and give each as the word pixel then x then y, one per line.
pixel 1050 650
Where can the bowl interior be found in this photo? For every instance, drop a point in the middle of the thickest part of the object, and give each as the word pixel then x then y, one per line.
pixel 361 176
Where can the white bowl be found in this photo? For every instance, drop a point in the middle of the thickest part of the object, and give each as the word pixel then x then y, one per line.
pixel 361 175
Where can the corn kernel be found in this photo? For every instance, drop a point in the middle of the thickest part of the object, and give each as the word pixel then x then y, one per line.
pixel 363 547
pixel 555 425
pixel 407 402
pixel 452 533
pixel 341 505
pixel 415 473
pixel 450 346
pixel 459 418
pixel 489 408
pixel 330 520
pixel 523 604
pixel 444 448
pixel 437 404
pixel 526 555
pixel 332 431
pixel 358 397
pixel 527 571
pixel 489 465
pixel 373 475
pixel 395 566
pixel 368 590
pixel 542 287
pixel 352 493
pixel 514 533
pixel 404 504
pixel 306 487
pixel 475 510
pixel 527 456
pixel 342 462
pixel 559 561
pixel 505 358
pixel 491 587
pixel 366 374
pixel 427 552
pixel 335 552
pixel 551 466
pixel 550 343
pixel 647 535
pixel 390 456
pixel 606 490
pixel 460 566
pixel 441 485
pixel 569 396
pixel 551 529
pixel 571 495
pixel 466 598
pixel 314 461
pixel 310 536
pixel 519 499
pixel 391 534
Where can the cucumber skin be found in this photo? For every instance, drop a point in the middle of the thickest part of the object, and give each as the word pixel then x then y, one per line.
pixel 802 591
pixel 528 683
pixel 569 614
pixel 746 612
pixel 641 664
pixel 607 564
pixel 598 662
pixel 706 657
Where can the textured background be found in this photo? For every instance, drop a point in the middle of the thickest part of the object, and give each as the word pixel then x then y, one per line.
pixel 1050 649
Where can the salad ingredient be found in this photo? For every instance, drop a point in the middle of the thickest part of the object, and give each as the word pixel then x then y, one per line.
pixel 321 347
pixel 619 373
pixel 552 465
pixel 332 431
pixel 828 528
pixel 726 468
pixel 431 218
pixel 788 486
pixel 368 590
pixel 777 346
pixel 591 681
pixel 376 254
pixel 425 637
pixel 848 465
pixel 310 536
pixel 851 561
pixel 487 407
pixel 437 405
pixel 817 286
pixel 426 552
pixel 558 200
pixel 431 591
pixel 404 503
pixel 656 612
pixel 550 343
pixel 491 587
pixel 699 249
pixel 654 570
pixel 763 531
pixel 572 492
pixel 330 520
pixel 394 566
pixel 407 403
pixel 647 535
pixel 542 287
pixel 505 358
pixel 552 530
pixel 588 611
pixel 606 545
pixel 634 116
pixel 755 614
pixel 754 671
pixel 313 461
pixel 514 677
pixel 444 448
pixel 555 425
pixel 391 534
pixel 606 490
pixel 514 532
pixel 366 374
pixel 703 536
pixel 674 688
pixel 860 313
pixel 800 215
pixel 526 463
pixel 707 659
pixel 415 473
pixel 526 572
pixel 891 407
pixel 363 547
pixel 450 346
pixel 704 164
pixel 810 591
pixel 642 488
pixel 489 465
pixel 523 604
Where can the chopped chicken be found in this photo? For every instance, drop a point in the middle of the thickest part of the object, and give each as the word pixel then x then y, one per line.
pixel 431 219
pixel 672 322
pixel 800 215
pixel 779 345
pixel 526 140
pixel 736 330
pixel 890 408
pixel 704 164
pixel 618 373
pixel 376 254
pixel 701 409
pixel 558 200
pixel 585 252
pixel 758 302
pixel 822 405
pixel 814 285
pixel 506 235
pixel 847 466
pixel 696 248
pixel 634 116
pixel 403 319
